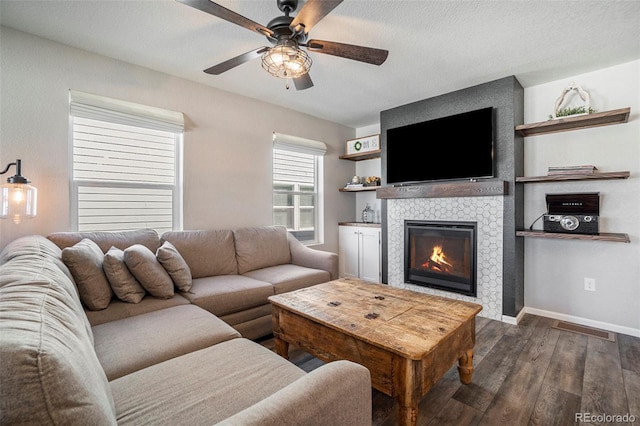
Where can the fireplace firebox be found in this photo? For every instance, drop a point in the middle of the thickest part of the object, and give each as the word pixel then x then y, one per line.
pixel 441 255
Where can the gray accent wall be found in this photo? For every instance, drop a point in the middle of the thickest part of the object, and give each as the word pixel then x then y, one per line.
pixel 506 95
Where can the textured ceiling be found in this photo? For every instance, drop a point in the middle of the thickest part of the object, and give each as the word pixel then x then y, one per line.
pixel 434 47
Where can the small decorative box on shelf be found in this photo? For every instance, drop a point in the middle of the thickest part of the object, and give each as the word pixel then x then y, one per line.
pixel 362 145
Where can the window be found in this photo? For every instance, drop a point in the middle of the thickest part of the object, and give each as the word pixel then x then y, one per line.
pixel 126 165
pixel 297 186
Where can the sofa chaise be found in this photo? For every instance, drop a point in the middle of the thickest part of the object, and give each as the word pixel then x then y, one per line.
pixel 185 358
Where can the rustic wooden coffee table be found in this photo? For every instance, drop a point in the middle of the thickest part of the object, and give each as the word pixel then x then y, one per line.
pixel 406 339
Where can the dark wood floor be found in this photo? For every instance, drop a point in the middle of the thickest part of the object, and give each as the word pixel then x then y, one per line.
pixel 529 374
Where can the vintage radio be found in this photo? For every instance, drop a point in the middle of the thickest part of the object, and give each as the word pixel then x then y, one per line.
pixel 576 213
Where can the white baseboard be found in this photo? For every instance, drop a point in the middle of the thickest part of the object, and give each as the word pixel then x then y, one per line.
pixel 514 320
pixel 570 318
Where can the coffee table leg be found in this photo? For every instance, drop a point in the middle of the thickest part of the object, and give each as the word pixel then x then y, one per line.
pixel 282 348
pixel 465 366
pixel 407 416
pixel 407 383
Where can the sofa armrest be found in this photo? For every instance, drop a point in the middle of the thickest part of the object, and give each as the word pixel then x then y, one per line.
pixel 337 393
pixel 311 258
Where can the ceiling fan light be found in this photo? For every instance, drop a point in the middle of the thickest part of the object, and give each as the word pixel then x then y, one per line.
pixel 286 60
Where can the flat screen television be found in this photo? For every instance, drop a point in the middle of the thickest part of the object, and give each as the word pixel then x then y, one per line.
pixel 455 147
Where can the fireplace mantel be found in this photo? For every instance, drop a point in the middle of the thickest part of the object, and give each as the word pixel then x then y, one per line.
pixel 478 188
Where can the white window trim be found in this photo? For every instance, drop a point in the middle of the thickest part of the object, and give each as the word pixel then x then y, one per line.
pixel 97 107
pixel 319 149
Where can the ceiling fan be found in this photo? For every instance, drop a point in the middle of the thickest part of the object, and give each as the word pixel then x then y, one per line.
pixel 287 34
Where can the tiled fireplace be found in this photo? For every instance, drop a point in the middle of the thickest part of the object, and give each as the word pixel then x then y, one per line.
pixel 496 204
pixel 441 254
pixel 486 212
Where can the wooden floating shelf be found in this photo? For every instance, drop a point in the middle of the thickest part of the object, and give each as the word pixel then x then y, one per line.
pixel 364 188
pixel 362 156
pixel 620 238
pixel 596 119
pixel 574 176
pixel 444 189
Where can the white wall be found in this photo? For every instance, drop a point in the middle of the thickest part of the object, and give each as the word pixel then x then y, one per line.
pixel 555 269
pixel 227 144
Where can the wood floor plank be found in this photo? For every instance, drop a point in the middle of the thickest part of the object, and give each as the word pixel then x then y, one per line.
pixel 540 343
pixel 554 407
pixel 629 347
pixel 481 322
pixel 524 328
pixel 603 389
pixel 490 374
pixel 436 399
pixel 632 388
pixel 487 337
pixel 455 413
pixel 516 398
pixel 566 370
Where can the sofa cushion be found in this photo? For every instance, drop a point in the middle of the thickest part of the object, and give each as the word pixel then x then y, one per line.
pixel 119 309
pixel 289 277
pixel 203 387
pixel 123 283
pixel 131 344
pixel 225 294
pixel 260 247
pixel 148 271
pixel 36 248
pixel 34 258
pixel 252 323
pixel 175 265
pixel 147 237
pixel 207 252
pixel 84 260
pixel 44 332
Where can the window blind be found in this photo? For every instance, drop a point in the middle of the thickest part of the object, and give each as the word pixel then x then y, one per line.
pixel 125 166
pixel 96 107
pixel 298 144
pixel 297 166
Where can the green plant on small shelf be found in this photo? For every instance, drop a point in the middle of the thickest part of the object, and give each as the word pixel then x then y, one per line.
pixel 565 112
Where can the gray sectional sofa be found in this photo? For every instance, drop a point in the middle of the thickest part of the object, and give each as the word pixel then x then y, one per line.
pixel 233 271
pixel 185 358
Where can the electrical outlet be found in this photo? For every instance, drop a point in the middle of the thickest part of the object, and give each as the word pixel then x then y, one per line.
pixel 590 284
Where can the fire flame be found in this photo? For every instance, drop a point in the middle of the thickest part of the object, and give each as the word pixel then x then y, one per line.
pixel 438 256
pixel 437 260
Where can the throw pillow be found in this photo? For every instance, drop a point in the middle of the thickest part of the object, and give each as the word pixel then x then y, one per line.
pixel 123 283
pixel 175 265
pixel 84 260
pixel 148 271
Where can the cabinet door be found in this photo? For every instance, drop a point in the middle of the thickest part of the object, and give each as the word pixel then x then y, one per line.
pixel 348 250
pixel 370 254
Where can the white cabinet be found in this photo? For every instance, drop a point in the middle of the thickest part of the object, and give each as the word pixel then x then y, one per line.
pixel 359 252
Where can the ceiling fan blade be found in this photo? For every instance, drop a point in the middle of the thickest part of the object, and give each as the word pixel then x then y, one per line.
pixel 311 13
pixel 303 82
pixel 350 51
pixel 228 15
pixel 234 62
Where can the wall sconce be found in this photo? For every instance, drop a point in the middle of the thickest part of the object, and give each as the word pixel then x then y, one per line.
pixel 18 199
